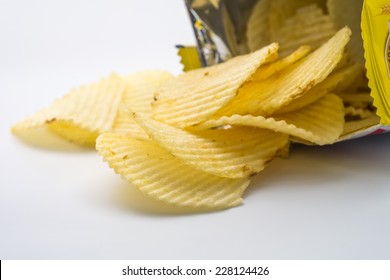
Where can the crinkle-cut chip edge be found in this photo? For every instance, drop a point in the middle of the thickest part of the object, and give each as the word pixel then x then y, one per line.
pixel 230 153
pixel 324 117
pixel 71 113
pixel 320 123
pixel 357 112
pixel 142 88
pixel 352 127
pixel 267 70
pixel 144 163
pixel 332 83
pixel 185 104
pixel 266 97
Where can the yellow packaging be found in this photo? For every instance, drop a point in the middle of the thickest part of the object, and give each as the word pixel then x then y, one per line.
pixel 376 40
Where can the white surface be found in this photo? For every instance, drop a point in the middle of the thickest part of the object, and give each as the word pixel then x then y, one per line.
pixel 323 203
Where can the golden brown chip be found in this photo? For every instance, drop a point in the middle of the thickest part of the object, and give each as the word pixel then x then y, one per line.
pixel 196 95
pixel 160 175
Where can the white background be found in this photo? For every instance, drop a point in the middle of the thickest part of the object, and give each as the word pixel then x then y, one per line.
pixel 328 202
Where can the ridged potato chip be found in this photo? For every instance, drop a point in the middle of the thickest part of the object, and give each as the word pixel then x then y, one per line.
pixel 337 81
pixel 162 176
pixel 68 130
pixel 82 114
pixel 309 26
pixel 257 30
pixel 269 18
pixel 230 153
pixel 353 112
pixel 143 85
pixel 323 118
pixel 196 95
pixel 351 127
pixel 139 97
pixel 281 10
pixel 357 99
pixel 320 123
pixel 125 125
pixel 272 68
pixel 267 96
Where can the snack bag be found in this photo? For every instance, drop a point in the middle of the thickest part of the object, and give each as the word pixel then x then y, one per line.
pixel 376 38
pixel 225 29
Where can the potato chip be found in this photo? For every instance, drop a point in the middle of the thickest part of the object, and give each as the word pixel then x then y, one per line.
pixel 196 95
pixel 82 114
pixel 189 57
pixel 356 99
pixel 68 130
pixel 268 96
pixel 320 123
pixel 351 127
pixel 323 118
pixel 353 112
pixel 139 97
pixel 268 18
pixel 336 81
pixel 284 152
pixel 143 86
pixel 257 31
pixel 230 153
pixel 281 10
pixel 160 175
pixel 309 26
pixel 354 81
pixel 125 125
pixel 270 69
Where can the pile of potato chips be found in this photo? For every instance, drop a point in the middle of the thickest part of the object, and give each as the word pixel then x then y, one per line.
pixel 196 139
